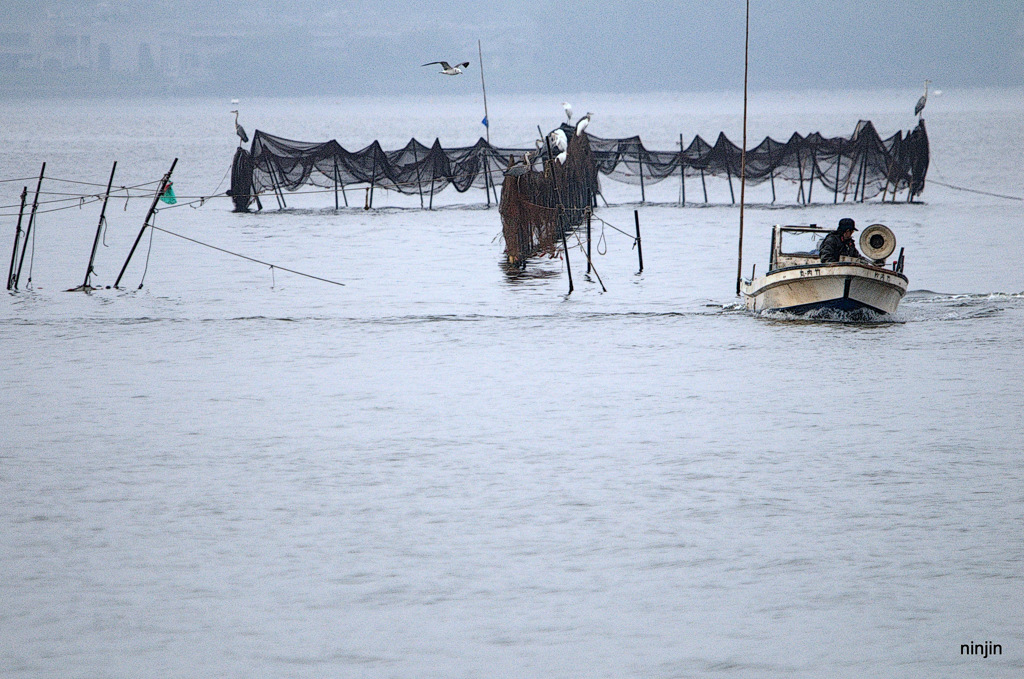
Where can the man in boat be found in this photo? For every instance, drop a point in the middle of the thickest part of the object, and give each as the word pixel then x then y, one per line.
pixel 839 243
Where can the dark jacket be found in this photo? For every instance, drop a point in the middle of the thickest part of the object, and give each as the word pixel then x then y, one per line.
pixel 833 247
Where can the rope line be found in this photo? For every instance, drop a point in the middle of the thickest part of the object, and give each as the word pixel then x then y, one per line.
pixel 251 259
pixel 612 226
pixel 149 251
pixel 984 193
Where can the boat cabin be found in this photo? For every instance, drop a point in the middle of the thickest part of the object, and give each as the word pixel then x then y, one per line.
pixel 795 246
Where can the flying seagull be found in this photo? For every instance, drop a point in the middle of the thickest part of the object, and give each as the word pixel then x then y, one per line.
pixel 923 100
pixel 240 131
pixel 447 69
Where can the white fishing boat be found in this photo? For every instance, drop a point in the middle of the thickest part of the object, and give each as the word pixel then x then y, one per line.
pixel 798 281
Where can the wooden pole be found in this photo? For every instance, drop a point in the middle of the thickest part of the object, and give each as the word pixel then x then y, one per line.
pixel 800 170
pixel 728 174
pixel 494 187
pixel 640 162
pixel 773 183
pixel 278 193
pixel 273 181
pixel 588 241
pixel 373 180
pixel 432 172
pixel 814 164
pixel 487 182
pixel 863 173
pixel 17 238
pixel 743 155
pixel 565 245
pixel 99 230
pixel 28 229
pixel 149 215
pixel 419 184
pixel 483 86
pixel 704 184
pixel 335 182
pixel 839 161
pixel 639 247
pixel 682 172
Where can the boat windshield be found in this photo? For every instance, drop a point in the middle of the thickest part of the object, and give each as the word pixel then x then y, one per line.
pixel 801 242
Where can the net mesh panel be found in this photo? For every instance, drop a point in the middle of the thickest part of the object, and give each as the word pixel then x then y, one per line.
pixel 863 165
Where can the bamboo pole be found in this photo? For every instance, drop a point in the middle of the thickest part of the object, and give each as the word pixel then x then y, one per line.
pixel 839 161
pixel 814 166
pixel 419 183
pixel 149 215
pixel 335 182
pixel 682 172
pixel 639 247
pixel 373 181
pixel 800 170
pixel 565 244
pixel 487 181
pixel 588 241
pixel 99 230
pixel 17 237
pixel 743 155
pixel 28 229
pixel 640 161
pixel 483 86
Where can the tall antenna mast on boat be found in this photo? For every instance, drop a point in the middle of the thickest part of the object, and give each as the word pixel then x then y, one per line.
pixel 743 152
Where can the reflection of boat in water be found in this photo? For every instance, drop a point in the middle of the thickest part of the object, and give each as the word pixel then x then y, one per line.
pixel 798 282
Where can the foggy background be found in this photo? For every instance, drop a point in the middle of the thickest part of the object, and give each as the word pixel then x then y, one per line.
pixel 275 47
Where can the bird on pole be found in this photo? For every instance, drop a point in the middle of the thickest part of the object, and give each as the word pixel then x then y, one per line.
pixel 447 69
pixel 240 131
pixel 923 100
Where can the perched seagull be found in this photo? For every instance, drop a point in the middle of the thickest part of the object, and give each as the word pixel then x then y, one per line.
pixel 583 122
pixel 923 100
pixel 561 157
pixel 568 110
pixel 447 69
pixel 240 131
pixel 558 139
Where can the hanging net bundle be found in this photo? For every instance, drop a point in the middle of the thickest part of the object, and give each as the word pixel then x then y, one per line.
pixel 537 207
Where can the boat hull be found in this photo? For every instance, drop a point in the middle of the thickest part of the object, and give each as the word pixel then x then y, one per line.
pixel 843 286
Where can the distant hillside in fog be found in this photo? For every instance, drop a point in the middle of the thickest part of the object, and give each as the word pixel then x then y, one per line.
pixel 129 47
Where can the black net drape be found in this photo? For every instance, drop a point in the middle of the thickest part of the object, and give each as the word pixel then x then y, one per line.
pixel 862 164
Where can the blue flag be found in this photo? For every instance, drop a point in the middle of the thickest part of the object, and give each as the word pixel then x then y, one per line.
pixel 484 122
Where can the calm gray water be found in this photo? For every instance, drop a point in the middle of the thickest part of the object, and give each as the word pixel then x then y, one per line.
pixel 439 470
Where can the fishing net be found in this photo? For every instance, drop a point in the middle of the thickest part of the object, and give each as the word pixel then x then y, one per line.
pixel 860 166
pixel 539 206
